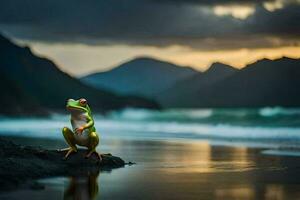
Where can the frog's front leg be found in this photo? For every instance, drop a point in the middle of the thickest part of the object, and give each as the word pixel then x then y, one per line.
pixel 69 137
pixel 93 142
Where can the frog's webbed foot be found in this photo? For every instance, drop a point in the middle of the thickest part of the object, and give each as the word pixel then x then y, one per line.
pixel 71 150
pixel 94 151
pixel 64 149
pixel 94 141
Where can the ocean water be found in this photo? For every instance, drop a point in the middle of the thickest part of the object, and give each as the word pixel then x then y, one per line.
pixel 255 127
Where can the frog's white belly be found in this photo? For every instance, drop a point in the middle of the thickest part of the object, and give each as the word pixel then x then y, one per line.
pixel 81 139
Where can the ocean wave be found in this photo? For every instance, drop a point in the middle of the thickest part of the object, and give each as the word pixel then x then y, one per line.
pixel 52 128
pixel 266 124
pixel 205 130
pixel 171 114
pixel 276 116
pixel 279 111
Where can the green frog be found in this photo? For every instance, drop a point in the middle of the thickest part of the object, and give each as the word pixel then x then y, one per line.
pixel 83 132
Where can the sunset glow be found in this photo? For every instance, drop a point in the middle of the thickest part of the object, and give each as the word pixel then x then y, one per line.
pixel 83 59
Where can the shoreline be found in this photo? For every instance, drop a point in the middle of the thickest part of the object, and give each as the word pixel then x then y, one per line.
pixel 213 172
pixel 19 164
pixel 276 148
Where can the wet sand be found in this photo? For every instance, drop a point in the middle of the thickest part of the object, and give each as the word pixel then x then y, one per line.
pixel 174 170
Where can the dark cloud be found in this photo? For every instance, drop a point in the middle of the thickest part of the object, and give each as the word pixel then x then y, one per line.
pixel 213 2
pixel 226 2
pixel 147 22
pixel 284 21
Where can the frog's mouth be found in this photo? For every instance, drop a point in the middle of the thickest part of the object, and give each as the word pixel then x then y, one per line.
pixel 75 109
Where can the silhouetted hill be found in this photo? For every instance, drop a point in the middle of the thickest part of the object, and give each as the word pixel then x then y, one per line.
pixel 263 83
pixel 14 100
pixel 141 76
pixel 37 82
pixel 179 94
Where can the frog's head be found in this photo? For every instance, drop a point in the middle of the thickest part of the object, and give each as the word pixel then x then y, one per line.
pixel 79 105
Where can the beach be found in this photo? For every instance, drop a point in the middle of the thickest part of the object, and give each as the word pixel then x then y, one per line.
pixel 168 167
pixel 182 170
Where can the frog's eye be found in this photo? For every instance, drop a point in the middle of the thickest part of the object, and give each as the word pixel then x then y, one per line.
pixel 82 102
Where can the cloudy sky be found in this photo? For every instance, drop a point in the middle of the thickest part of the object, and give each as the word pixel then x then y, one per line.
pixel 95 35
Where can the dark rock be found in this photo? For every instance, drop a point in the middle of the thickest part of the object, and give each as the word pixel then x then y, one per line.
pixel 130 163
pixel 22 163
pixel 36 186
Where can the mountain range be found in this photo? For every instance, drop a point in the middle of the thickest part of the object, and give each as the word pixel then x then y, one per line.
pixel 183 92
pixel 141 76
pixel 263 83
pixel 35 85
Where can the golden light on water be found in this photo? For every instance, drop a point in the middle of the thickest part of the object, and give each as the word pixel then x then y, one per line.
pixel 198 158
pixel 235 193
pixel 203 158
pixel 274 191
